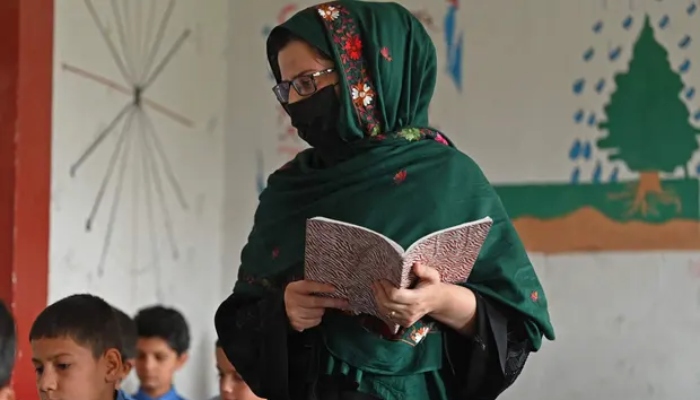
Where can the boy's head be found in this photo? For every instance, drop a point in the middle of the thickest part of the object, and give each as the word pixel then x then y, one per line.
pixel 231 385
pixel 8 345
pixel 127 328
pixel 161 348
pixel 76 345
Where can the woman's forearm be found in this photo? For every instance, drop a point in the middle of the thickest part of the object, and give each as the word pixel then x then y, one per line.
pixel 455 307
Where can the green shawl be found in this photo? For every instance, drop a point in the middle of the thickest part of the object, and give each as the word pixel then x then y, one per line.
pixel 405 181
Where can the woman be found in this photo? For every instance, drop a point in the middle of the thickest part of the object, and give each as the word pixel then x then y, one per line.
pixel 356 79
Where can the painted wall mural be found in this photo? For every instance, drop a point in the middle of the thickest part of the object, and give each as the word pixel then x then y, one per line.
pixel 645 120
pixel 140 53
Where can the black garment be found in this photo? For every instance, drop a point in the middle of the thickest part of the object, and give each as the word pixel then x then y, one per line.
pixel 281 364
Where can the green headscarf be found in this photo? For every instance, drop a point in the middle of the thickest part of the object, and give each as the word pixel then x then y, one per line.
pixel 407 181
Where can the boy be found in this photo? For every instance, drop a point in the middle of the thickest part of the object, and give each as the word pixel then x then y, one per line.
pixel 76 345
pixel 231 385
pixel 8 345
pixel 162 345
pixel 127 328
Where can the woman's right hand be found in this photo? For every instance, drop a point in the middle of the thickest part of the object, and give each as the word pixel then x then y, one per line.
pixel 305 310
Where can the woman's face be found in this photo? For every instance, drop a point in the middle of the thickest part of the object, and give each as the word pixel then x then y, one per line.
pixel 299 58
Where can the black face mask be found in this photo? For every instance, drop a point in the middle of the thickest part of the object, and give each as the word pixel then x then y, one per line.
pixel 316 121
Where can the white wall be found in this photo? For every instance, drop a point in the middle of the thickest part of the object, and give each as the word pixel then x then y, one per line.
pixel 136 271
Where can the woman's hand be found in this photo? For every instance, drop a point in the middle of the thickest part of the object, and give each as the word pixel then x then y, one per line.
pixel 407 306
pixel 305 310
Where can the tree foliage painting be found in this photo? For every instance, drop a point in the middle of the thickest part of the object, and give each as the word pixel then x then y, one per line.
pixel 648 124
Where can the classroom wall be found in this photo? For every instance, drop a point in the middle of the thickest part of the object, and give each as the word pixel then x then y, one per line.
pixel 138 177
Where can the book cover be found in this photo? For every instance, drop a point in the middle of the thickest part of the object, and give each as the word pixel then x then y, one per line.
pixel 351 258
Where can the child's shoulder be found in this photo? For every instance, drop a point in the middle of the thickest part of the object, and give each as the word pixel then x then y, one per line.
pixel 122 395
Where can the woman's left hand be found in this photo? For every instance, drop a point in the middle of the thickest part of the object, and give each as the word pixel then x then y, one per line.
pixel 407 306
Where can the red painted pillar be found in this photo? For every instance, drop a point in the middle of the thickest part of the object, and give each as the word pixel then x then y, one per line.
pixel 26 69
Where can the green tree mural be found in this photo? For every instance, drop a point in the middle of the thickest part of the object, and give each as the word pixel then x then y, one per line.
pixel 648 124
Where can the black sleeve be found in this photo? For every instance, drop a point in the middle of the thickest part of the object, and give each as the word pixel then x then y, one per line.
pixel 255 336
pixel 482 367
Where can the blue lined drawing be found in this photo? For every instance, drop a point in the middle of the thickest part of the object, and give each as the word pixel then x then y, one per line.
pixel 453 43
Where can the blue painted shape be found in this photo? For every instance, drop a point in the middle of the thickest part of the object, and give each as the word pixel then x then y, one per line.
pixel 588 54
pixel 587 151
pixel 575 151
pixel 260 173
pixel 455 63
pixel 600 85
pixel 597 172
pixel 266 31
pixel 575 174
pixel 592 120
pixel 684 67
pixel 627 22
pixel 598 26
pixel 664 21
pixel 578 116
pixel 454 47
pixel 578 86
pixel 691 8
pixel 613 175
pixel 689 93
pixel 696 116
pixel 685 42
pixel 614 54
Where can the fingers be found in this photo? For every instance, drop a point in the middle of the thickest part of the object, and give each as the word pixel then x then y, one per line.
pixel 426 273
pixel 308 301
pixel 395 295
pixel 309 287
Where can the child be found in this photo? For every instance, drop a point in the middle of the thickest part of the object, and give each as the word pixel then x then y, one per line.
pixel 8 345
pixel 162 345
pixel 231 385
pixel 127 327
pixel 76 345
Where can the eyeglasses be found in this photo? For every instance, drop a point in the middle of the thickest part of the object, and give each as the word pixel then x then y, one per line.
pixel 304 85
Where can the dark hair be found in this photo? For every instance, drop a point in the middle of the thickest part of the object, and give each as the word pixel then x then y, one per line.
pixel 88 320
pixel 8 345
pixel 164 323
pixel 218 343
pixel 127 327
pixel 278 40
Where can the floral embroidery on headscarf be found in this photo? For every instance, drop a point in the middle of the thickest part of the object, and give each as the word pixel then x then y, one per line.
pixel 328 12
pixel 534 296
pixel 362 95
pixel 353 47
pixel 345 35
pixel 400 176
pixel 346 38
pixel 385 53
pixel 441 139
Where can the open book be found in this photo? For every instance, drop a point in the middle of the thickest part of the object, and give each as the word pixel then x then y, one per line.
pixel 351 258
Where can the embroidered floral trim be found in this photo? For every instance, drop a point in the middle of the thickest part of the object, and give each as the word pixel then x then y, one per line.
pixel 411 336
pixel 346 37
pixel 385 53
pixel 328 12
pixel 362 95
pixel 535 296
pixel 400 176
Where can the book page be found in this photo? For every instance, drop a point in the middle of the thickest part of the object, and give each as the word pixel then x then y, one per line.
pixel 350 259
pixel 327 221
pixel 451 251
